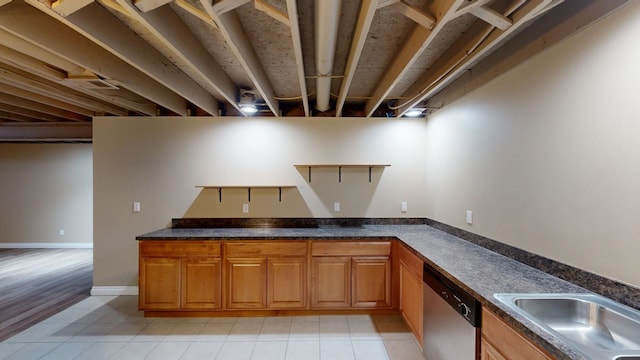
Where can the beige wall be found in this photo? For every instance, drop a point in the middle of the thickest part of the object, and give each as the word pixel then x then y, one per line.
pixel 159 161
pixel 45 188
pixel 547 156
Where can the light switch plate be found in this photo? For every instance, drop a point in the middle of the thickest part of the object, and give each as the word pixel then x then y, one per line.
pixel 136 206
pixel 469 217
pixel 403 206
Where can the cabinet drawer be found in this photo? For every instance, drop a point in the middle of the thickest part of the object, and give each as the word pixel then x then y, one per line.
pixel 180 248
pixel 265 248
pixel 410 260
pixel 350 248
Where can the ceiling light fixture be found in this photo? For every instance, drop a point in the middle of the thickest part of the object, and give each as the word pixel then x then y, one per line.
pixel 414 112
pixel 246 104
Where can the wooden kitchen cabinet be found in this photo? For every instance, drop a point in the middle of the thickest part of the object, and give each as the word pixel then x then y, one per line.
pixel 350 274
pixel 266 275
pixel 411 288
pixel 287 283
pixel 331 282
pixel 501 342
pixel 179 275
pixel 160 283
pixel 246 280
pixel 201 283
pixel 371 282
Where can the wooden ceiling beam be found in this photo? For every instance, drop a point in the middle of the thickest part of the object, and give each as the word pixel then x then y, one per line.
pixel 195 11
pixel 168 28
pixel 239 43
pixel 10 99
pixel 45 31
pixel 24 94
pixel 414 14
pixel 363 24
pixel 7 116
pixel 292 9
pixel 102 28
pixel 492 17
pixel 221 7
pixel 417 42
pixel 272 11
pixel 37 61
pixel 148 5
pixel 32 114
pixel 464 53
pixel 54 90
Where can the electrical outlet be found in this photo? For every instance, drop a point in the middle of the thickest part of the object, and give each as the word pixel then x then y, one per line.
pixel 336 206
pixel 136 206
pixel 403 206
pixel 245 208
pixel 61 232
pixel 469 217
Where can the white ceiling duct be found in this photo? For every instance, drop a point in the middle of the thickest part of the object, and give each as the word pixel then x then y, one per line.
pixel 327 15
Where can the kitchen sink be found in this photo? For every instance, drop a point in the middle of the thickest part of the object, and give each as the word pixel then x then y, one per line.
pixel 598 327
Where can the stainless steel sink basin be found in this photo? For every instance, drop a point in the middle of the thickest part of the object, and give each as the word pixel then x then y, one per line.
pixel 593 325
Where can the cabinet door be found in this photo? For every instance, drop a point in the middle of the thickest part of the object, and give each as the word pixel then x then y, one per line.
pixel 287 283
pixel 159 283
pixel 502 340
pixel 411 299
pixel 331 282
pixel 371 282
pixel 246 283
pixel 488 352
pixel 201 283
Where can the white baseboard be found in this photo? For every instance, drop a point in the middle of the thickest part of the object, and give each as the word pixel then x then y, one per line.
pixel 46 245
pixel 114 290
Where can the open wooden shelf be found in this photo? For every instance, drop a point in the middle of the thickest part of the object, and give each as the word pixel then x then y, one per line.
pixel 248 187
pixel 340 166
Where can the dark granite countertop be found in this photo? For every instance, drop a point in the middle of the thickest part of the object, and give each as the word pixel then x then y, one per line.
pixel 480 271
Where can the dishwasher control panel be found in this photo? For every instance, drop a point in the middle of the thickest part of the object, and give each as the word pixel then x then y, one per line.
pixel 468 307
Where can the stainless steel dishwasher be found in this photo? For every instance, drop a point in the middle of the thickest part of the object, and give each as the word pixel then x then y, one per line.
pixel 451 321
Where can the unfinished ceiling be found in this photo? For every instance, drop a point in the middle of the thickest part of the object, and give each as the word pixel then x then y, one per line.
pixel 68 60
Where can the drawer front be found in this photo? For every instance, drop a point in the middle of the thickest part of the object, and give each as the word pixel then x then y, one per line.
pixel 181 248
pixel 265 248
pixel 350 248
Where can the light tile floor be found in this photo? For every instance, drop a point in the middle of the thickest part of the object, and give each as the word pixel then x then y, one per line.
pixel 110 327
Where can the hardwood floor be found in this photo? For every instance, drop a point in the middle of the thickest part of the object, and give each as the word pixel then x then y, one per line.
pixel 37 283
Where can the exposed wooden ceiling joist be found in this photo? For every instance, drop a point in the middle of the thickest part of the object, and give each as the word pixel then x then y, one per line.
pixel 7 116
pixel 54 90
pixel 465 52
pixel 365 18
pixel 443 10
pixel 492 17
pixel 40 107
pixel 237 40
pixel 292 8
pixel 167 27
pixel 101 27
pixel 148 5
pixel 272 11
pixel 32 114
pixel 30 24
pixel 29 57
pixel 414 14
pixel 7 89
